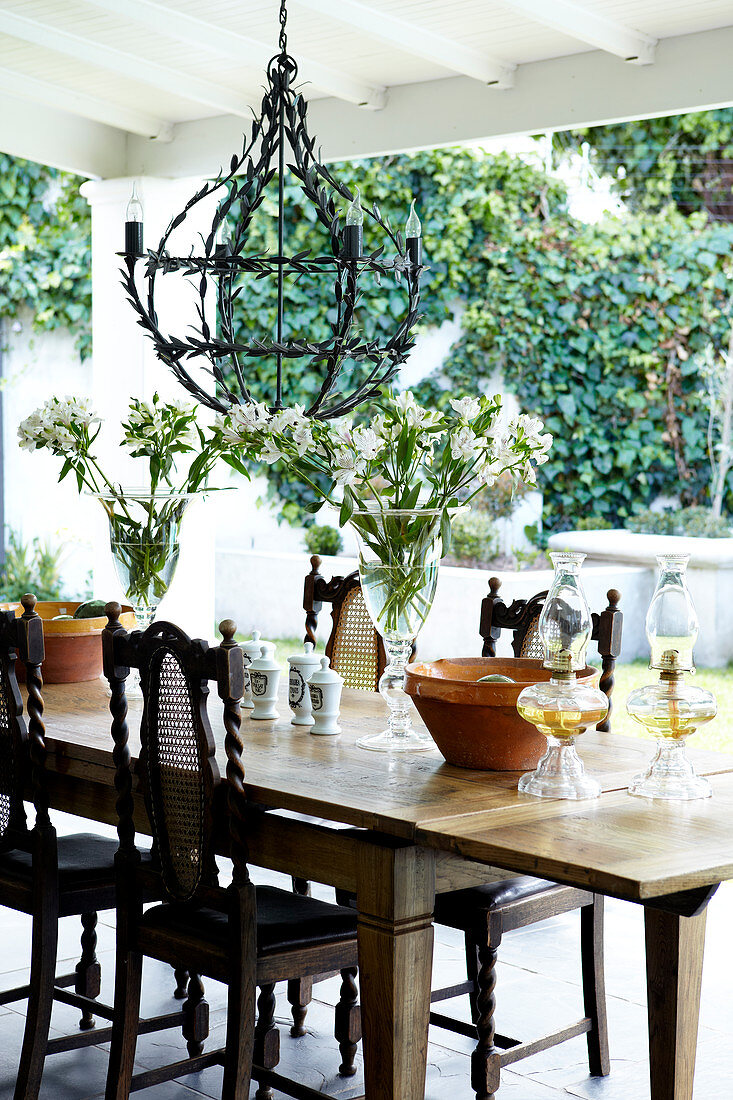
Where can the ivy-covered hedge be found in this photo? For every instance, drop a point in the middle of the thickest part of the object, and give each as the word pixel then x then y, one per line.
pixel 597 329
pixel 45 248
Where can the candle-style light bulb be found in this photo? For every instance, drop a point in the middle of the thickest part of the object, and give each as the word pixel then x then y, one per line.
pixel 134 225
pixel 353 230
pixel 413 235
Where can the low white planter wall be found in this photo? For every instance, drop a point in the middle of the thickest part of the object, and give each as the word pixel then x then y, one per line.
pixel 265 592
pixel 710 575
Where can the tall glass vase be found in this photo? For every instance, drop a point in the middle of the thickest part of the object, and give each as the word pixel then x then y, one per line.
pixel 399 556
pixel 144 534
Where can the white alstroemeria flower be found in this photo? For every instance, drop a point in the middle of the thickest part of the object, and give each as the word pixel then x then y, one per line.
pixel 270 453
pixel 287 418
pixel 303 439
pixel 342 432
pixel 532 427
pixel 466 407
pixel 489 472
pixel 464 444
pixel 405 401
pixel 529 474
pixel 253 415
pixel 419 417
pixel 367 443
pixel 349 466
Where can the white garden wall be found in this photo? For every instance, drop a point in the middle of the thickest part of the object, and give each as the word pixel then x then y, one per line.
pixel 264 591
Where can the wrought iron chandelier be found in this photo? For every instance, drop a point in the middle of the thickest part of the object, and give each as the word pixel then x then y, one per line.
pixel 223 267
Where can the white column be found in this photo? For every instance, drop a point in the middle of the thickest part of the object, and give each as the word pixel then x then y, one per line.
pixel 125 366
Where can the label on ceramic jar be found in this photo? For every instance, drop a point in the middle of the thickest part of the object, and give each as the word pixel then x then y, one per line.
pixel 316 697
pixel 297 687
pixel 258 680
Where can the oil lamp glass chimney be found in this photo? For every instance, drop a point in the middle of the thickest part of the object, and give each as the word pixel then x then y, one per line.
pixel 564 707
pixel 671 709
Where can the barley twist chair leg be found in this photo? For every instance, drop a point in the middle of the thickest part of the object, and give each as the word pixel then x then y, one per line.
pixel 267 1037
pixel 485 1063
pixel 88 971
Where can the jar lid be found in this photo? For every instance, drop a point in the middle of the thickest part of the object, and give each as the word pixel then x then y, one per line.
pixel 325 674
pixel 266 661
pixel 253 646
pixel 306 659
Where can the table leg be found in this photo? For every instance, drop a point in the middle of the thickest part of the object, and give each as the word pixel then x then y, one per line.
pixel 395 898
pixel 674 953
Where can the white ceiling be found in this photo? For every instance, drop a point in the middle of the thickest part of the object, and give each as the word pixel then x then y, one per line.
pixel 88 83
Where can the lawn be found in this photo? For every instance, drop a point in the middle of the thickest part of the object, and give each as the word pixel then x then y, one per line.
pixel 717 735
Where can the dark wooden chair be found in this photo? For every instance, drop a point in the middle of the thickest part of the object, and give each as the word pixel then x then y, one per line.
pixel 46 876
pixel 241 935
pixel 485 913
pixel 354 646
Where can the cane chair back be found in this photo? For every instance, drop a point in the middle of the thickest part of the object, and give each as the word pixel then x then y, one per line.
pixel 354 646
pixel 522 618
pixel 13 738
pixel 178 767
pixel 178 746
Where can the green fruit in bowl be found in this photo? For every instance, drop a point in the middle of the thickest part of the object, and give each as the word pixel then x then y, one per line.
pixel 92 609
pixel 61 618
pixel 496 678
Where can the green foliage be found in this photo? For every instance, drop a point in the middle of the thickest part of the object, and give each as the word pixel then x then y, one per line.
pixel 501 499
pixel 35 568
pixel 592 523
pixel 598 330
pixel 698 522
pixel 322 539
pixel 474 538
pixel 680 159
pixel 45 248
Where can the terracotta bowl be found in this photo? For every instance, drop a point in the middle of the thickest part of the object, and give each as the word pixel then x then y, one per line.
pixel 73 646
pixel 477 725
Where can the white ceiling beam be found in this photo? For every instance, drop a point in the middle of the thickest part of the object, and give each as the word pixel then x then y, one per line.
pixel 586 26
pixel 51 136
pixel 247 51
pixel 78 103
pixel 90 52
pixel 691 73
pixel 415 40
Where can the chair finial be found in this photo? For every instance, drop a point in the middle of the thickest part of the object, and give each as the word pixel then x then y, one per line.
pixel 227 629
pixel 113 610
pixel 29 602
pixel 494 585
pixel 613 596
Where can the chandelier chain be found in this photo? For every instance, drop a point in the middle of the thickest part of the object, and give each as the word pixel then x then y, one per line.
pixel 283 39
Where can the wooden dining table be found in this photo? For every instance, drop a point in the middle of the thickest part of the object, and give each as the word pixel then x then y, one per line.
pixel 425 827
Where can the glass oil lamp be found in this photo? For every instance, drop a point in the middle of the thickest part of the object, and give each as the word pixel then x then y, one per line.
pixel 671 709
pixel 562 708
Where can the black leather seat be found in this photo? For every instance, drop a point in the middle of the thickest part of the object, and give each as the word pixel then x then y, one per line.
pixel 285 922
pixel 458 909
pixel 83 857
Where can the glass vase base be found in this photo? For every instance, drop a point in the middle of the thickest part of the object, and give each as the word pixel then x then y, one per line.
pixel 672 788
pixel 560 774
pixel 389 742
pixel 559 786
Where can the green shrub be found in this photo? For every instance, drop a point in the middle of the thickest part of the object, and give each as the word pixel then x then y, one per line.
pixel 501 499
pixel 34 568
pixel 474 537
pixel 322 539
pixel 694 521
pixel 592 523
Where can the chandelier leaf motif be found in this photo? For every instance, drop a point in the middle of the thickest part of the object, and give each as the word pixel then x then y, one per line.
pixel 282 120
